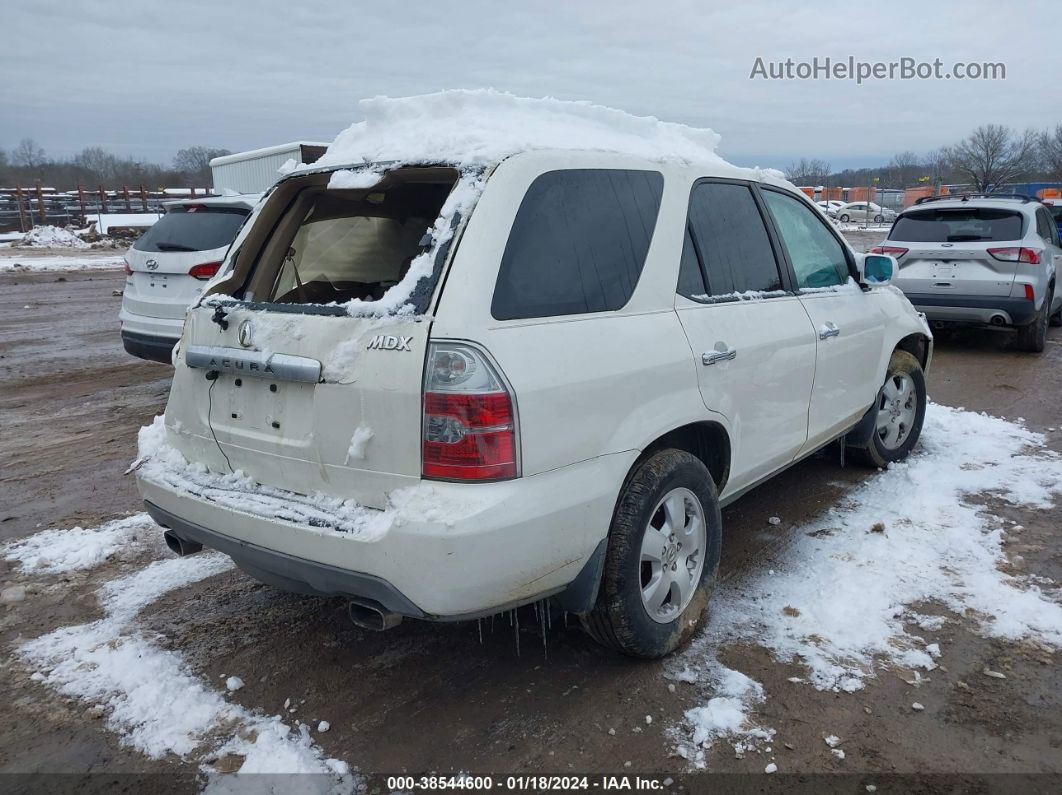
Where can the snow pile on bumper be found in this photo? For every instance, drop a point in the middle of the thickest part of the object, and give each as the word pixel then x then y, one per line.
pixel 160 463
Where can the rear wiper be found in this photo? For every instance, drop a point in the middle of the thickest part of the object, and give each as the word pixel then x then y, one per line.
pixel 173 247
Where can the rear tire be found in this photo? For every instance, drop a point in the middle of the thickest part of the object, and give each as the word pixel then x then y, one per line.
pixel 901 410
pixel 627 618
pixel 1033 337
pixel 1056 318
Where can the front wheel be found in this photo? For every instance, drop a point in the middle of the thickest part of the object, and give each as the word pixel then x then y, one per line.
pixel 843 218
pixel 662 558
pixel 879 219
pixel 899 413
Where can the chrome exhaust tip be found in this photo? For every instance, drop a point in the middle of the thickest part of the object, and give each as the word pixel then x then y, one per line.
pixel 371 615
pixel 998 320
pixel 179 546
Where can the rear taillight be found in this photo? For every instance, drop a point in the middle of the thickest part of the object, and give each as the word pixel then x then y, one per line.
pixel 1014 254
pixel 469 430
pixel 895 251
pixel 204 271
pixel 128 268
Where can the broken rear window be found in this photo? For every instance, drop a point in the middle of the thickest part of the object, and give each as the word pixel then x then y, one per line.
pixel 337 245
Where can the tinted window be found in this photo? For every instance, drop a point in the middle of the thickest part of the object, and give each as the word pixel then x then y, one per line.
pixel 578 243
pixel 958 225
pixel 691 280
pixel 817 256
pixel 200 229
pixel 732 240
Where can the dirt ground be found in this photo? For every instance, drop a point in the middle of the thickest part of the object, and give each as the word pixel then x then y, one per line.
pixel 426 697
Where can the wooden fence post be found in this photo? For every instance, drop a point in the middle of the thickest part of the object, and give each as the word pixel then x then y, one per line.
pixel 103 200
pixel 81 204
pixel 40 205
pixel 143 198
pixel 21 212
pixel 128 203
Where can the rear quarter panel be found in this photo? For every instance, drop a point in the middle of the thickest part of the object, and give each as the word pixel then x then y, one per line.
pixel 586 385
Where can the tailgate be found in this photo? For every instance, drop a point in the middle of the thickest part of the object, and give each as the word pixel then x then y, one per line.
pixel 353 432
pixel 942 268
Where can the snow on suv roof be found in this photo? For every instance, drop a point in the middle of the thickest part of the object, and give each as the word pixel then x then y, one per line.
pixel 482 127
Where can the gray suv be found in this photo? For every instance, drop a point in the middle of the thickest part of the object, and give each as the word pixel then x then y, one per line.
pixel 986 260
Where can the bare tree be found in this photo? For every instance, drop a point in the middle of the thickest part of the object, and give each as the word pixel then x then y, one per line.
pixel 98 162
pixel 1051 152
pixel 993 155
pixel 807 172
pixel 903 170
pixel 195 161
pixel 28 154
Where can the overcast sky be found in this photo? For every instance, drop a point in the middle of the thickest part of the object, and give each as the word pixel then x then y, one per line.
pixel 145 78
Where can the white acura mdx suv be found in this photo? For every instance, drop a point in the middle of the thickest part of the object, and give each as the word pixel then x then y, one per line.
pixel 444 392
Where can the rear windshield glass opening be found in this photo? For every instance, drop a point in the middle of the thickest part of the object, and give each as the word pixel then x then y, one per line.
pixel 957 226
pixel 352 244
pixel 201 228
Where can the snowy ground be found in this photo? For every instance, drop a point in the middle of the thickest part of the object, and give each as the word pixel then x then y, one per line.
pixel 20 260
pixel 932 584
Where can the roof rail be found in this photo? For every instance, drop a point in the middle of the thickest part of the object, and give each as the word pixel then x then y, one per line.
pixel 967 196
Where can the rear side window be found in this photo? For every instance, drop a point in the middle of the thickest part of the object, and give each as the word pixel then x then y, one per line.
pixel 578 243
pixel 727 231
pixel 956 226
pixel 200 228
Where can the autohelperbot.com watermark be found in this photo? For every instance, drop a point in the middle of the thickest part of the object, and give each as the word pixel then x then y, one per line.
pixel 905 68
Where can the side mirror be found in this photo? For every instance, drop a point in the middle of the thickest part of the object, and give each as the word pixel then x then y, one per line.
pixel 877 269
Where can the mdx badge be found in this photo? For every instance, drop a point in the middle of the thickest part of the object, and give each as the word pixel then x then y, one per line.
pixel 386 342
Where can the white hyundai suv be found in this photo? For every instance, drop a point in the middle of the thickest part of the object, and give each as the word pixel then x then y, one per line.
pixel 444 392
pixel 167 268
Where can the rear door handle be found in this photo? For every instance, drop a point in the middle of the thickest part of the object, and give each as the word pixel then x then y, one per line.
pixel 828 330
pixel 711 357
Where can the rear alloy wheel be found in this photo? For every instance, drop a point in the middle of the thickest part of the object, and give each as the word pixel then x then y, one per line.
pixel 663 553
pixel 899 413
pixel 1033 337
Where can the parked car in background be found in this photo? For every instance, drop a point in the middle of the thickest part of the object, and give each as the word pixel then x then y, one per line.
pixel 1055 208
pixel 830 207
pixel 617 348
pixel 864 212
pixel 168 265
pixel 981 260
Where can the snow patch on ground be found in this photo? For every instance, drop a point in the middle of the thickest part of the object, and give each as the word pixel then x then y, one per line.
pixel 840 601
pixel 51 237
pixel 61 550
pixel 150 696
pixel 15 263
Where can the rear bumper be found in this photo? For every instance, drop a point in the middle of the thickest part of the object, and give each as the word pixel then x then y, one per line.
pixel 517 542
pixel 144 346
pixel 978 309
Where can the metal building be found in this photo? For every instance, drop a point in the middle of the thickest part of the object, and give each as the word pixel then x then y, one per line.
pixel 256 170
